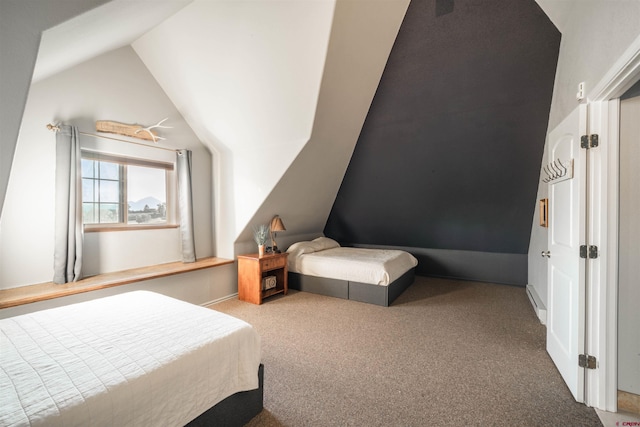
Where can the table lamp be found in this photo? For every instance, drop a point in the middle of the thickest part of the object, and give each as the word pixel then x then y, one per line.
pixel 275 226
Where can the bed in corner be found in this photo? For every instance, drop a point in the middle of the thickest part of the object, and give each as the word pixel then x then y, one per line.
pixel 132 359
pixel 375 276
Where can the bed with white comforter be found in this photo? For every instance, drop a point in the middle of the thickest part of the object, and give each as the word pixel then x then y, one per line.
pixel 323 266
pixel 132 359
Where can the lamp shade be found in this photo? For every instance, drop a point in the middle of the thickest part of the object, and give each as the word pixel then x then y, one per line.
pixel 276 224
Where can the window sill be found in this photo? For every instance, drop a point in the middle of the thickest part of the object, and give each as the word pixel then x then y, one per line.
pixel 44 291
pixel 94 229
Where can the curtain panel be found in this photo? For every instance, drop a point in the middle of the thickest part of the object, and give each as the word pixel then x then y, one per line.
pixel 185 205
pixel 67 256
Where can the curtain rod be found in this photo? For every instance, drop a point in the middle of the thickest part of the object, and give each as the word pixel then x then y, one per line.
pixel 56 128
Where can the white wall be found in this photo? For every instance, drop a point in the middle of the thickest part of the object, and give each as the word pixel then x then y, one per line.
pixel 198 287
pixel 595 33
pixel 114 86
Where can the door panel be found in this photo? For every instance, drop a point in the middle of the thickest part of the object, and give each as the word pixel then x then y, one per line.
pixel 566 303
pixel 562 309
pixel 629 250
pixel 562 209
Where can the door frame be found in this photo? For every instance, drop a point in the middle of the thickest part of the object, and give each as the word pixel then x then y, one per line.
pixel 602 293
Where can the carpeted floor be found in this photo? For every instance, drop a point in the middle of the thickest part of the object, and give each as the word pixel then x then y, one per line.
pixel 445 353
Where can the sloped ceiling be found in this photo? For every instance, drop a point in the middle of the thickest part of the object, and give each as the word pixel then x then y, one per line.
pixel 252 80
pixel 115 24
pixel 560 12
pixel 246 76
pixel 23 22
pixel 258 69
pixel 21 25
pixel 450 151
pixel 362 36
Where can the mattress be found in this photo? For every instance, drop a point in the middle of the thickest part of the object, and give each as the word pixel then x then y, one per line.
pixel 132 359
pixel 323 257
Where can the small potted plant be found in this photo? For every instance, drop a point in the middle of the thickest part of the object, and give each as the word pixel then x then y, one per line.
pixel 260 234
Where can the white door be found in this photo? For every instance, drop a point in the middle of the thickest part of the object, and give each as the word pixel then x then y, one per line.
pixel 565 271
pixel 628 248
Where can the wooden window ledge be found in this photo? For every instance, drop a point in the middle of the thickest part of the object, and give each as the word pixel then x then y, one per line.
pixel 44 291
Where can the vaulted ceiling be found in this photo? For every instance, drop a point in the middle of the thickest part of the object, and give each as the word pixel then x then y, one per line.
pixel 112 25
pixel 268 87
pixel 279 91
pixel 284 87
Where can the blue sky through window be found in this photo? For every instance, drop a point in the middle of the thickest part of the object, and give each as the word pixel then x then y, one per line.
pixel 146 182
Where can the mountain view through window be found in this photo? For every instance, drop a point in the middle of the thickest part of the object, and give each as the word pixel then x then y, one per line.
pixel 120 193
pixel 147 195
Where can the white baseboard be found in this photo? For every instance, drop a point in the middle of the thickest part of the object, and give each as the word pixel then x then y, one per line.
pixel 216 301
pixel 537 304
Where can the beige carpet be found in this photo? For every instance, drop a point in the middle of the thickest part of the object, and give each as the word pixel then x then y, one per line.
pixel 445 353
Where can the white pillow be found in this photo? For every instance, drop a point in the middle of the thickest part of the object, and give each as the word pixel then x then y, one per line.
pixel 323 243
pixel 319 244
pixel 301 248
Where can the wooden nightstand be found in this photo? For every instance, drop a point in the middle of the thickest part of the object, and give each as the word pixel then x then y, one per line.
pixel 253 268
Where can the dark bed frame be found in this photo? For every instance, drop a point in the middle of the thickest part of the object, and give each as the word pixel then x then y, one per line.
pixel 236 410
pixel 356 291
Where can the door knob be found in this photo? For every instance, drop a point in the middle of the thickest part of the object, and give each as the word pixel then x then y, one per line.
pixel 546 254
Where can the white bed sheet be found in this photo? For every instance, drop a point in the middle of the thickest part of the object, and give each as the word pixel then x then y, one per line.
pixel 135 359
pixel 372 266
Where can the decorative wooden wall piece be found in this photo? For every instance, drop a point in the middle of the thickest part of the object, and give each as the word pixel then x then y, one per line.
pixel 134 131
pixel 544 212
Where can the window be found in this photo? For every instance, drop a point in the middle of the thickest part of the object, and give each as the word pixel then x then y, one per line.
pixel 120 191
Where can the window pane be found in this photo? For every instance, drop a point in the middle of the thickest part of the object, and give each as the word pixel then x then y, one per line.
pixel 89 213
pixel 88 192
pixel 109 191
pixel 139 218
pixel 147 193
pixel 88 168
pixel 109 170
pixel 109 213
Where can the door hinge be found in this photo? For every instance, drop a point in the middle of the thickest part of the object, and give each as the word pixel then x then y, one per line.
pixel 589 141
pixel 590 251
pixel 586 361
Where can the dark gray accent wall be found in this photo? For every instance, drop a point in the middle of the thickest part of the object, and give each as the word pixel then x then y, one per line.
pixel 449 155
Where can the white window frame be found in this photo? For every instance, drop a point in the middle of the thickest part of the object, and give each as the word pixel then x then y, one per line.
pixel 124 161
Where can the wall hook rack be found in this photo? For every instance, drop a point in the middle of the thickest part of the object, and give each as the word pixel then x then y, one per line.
pixel 557 171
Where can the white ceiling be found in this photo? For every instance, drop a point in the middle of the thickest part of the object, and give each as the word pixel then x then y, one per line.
pixel 120 22
pixel 115 24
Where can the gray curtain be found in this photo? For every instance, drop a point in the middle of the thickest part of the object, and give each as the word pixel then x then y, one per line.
pixel 185 205
pixel 67 256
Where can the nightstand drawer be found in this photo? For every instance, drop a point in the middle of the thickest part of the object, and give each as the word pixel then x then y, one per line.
pixel 271 263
